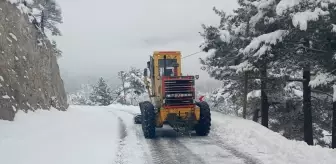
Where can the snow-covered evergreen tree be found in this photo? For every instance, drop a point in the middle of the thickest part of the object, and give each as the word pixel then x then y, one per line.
pixel 49 15
pixel 102 94
pixel 44 15
pixel 273 39
pixel 133 87
pixel 82 96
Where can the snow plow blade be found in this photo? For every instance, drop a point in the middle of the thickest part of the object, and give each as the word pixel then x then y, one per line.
pixel 137 119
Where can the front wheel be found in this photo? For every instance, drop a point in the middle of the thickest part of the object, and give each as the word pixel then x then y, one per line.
pixel 202 128
pixel 148 119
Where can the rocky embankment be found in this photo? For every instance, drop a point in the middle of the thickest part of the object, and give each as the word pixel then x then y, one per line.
pixel 29 74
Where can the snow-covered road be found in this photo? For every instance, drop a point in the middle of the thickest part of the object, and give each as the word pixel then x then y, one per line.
pixel 107 135
pixel 170 147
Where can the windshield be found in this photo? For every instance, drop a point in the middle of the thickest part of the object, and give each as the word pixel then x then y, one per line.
pixel 169 62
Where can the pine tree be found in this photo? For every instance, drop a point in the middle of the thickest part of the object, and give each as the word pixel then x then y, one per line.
pixel 272 40
pixel 132 87
pixel 101 94
pixel 136 81
pixel 81 96
pixel 50 15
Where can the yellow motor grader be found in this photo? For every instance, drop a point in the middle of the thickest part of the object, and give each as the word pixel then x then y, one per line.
pixel 172 98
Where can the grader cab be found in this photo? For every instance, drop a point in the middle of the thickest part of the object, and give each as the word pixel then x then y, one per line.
pixel 172 98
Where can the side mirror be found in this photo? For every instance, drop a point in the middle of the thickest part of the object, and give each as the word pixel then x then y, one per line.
pixel 148 65
pixel 145 72
pixel 196 77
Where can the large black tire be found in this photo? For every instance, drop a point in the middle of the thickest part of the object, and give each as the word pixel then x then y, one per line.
pixel 204 123
pixel 148 119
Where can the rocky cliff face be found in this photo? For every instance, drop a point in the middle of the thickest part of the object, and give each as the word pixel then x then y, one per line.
pixel 29 73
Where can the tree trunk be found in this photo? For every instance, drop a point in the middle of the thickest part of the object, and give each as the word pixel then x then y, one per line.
pixel 333 145
pixel 256 115
pixel 42 21
pixel 123 85
pixel 245 95
pixel 308 123
pixel 264 101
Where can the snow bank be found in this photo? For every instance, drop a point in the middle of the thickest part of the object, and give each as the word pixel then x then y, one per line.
pixel 82 135
pixel 266 145
pixel 128 108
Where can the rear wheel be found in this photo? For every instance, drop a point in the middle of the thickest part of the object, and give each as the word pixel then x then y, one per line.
pixel 204 123
pixel 148 119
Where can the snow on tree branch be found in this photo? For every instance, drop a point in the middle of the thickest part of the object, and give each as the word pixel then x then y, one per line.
pixel 268 39
pixel 322 79
pixel 242 67
pixel 261 6
pixel 334 94
pixel 254 94
pixel 333 28
pixel 225 36
pixel 285 5
pixel 301 19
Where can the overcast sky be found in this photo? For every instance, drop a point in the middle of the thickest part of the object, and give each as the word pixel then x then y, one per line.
pixel 102 37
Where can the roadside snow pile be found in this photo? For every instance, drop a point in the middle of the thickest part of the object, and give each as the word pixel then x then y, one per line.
pixel 266 145
pixel 82 135
pixel 127 108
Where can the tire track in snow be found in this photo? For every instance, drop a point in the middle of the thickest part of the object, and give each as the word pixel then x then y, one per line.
pixel 215 138
pixel 164 151
pixel 183 154
pixel 248 159
pixel 122 135
pixel 158 153
pixel 167 148
pixel 139 137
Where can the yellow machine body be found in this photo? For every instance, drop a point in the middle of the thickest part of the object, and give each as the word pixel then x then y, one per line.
pixel 184 112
